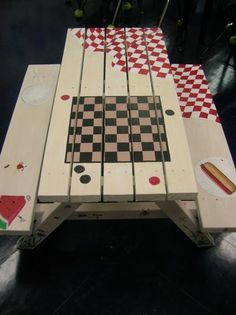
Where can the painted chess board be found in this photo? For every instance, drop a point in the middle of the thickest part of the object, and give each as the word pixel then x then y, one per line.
pixel 116 132
pixel 125 139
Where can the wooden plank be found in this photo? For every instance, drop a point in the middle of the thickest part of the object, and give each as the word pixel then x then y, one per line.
pixel 180 179
pixel 117 211
pixel 55 175
pixel 22 152
pixel 87 167
pixel 208 144
pixel 148 168
pixel 117 147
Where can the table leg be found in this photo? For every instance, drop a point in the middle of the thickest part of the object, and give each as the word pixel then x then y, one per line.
pixel 47 218
pixel 187 220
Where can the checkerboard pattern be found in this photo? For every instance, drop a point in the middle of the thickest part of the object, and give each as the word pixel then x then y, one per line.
pixel 149 143
pixel 94 38
pixel 117 146
pixel 194 95
pixel 88 135
pixel 115 46
pixel 136 49
pixel 158 56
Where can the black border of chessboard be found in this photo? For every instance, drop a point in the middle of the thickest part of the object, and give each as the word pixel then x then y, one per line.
pixel 136 157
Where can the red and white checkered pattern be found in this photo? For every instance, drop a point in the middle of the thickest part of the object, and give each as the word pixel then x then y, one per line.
pixel 137 56
pixel 94 38
pixel 136 51
pixel 158 56
pixel 194 95
pixel 115 45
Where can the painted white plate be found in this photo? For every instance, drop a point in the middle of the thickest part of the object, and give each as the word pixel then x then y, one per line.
pixel 36 94
pixel 208 184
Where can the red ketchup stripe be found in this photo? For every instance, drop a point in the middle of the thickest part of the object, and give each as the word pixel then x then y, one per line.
pixel 215 180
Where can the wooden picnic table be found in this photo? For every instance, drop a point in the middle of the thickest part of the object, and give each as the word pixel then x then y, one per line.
pixel 117 139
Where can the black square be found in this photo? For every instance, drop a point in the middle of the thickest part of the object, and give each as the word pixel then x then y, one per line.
pixel 74 100
pixel 142 99
pixel 86 138
pixel 97 114
pixel 151 106
pixel 72 115
pixel 135 121
pixel 136 137
pixel 78 130
pixel 81 100
pixel 146 129
pixel 147 146
pixel 122 130
pixel 166 155
pixel 76 147
pixel 123 146
pixel 110 156
pixel 80 115
pixel 163 137
pixel 122 114
pixel 138 157
pixel 110 106
pixel 85 157
pixel 110 138
pixel 134 106
pixel 156 137
pixel 98 100
pixel 97 147
pixel 121 99
pixel 158 155
pixel 69 147
pixel 71 130
pixel 158 106
pixel 110 122
pixel 144 113
pixel 88 122
pixel 89 107
pixel 153 121
pixel 97 130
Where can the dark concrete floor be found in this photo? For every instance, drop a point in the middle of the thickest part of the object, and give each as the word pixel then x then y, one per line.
pixel 115 267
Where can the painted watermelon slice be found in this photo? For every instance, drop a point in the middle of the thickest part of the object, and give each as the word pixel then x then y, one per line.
pixel 10 206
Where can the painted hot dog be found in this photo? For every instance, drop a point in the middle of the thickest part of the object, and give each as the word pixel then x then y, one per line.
pixel 218 178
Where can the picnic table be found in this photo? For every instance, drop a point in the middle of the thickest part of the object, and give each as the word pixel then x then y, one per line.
pixel 116 131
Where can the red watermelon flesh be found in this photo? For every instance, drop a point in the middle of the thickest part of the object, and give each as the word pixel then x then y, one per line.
pixel 10 206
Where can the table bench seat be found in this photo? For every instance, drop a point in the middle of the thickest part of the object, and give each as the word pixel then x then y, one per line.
pixel 22 152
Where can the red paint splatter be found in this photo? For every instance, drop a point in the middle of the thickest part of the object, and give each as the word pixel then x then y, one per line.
pixel 154 180
pixel 20 166
pixel 10 206
pixel 65 97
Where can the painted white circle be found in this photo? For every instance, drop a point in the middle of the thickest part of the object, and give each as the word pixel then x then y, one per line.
pixel 36 94
pixel 207 183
